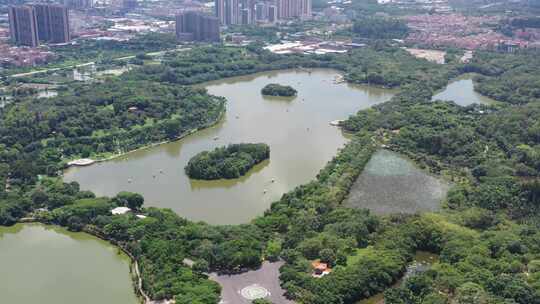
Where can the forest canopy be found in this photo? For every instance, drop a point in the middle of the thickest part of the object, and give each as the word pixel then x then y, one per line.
pixel 487 236
pixel 232 161
pixel 380 28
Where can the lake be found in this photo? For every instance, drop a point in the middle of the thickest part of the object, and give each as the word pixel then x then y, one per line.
pixel 297 130
pixel 461 91
pixel 390 183
pixel 50 265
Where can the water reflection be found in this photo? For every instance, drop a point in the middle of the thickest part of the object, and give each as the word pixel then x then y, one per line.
pixel 197 184
pixel 49 265
pixel 461 91
pixel 298 132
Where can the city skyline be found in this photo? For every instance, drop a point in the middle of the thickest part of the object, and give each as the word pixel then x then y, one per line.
pixel 244 12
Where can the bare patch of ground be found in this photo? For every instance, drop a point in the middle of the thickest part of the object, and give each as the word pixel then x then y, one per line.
pixel 430 55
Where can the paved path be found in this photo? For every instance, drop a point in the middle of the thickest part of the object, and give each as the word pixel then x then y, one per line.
pixel 92 62
pixel 265 278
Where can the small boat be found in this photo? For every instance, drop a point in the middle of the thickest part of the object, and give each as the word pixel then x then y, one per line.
pixel 273 180
pixel 216 138
pixel 129 180
pixel 264 191
pixel 81 162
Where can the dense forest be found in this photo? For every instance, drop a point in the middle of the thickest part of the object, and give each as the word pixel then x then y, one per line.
pixel 275 89
pixel 381 65
pixel 108 118
pixel 380 28
pixel 487 235
pixel 509 78
pixel 231 161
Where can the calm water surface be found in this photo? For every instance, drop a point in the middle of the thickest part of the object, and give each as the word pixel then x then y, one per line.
pixel 49 265
pixel 461 91
pixel 391 183
pixel 297 130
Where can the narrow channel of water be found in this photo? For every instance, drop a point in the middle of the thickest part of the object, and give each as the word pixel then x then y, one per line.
pixel 461 91
pixel 298 132
pixel 50 265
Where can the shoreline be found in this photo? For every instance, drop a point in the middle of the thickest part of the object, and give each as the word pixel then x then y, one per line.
pixel 341 73
pixel 155 144
pixel 136 278
pixel 134 265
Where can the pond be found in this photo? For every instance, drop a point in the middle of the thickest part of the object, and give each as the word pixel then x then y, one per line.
pixel 49 265
pixel 297 130
pixel 391 183
pixel 461 91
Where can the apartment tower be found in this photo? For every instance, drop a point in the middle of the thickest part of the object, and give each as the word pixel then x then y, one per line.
pixel 52 23
pixel 196 26
pixel 23 25
pixel 30 25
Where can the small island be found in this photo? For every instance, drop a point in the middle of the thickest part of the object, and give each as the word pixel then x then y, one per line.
pixel 227 162
pixel 274 89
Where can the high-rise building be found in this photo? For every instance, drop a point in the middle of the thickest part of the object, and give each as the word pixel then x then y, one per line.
pixel 272 13
pixel 23 25
pixel 288 9
pixel 232 12
pixel 78 4
pixel 220 10
pixel 246 16
pixel 43 18
pixel 197 26
pixel 261 11
pixel 52 23
pixel 282 9
pixel 130 4
pixel 306 9
pixel 249 5
pixel 37 23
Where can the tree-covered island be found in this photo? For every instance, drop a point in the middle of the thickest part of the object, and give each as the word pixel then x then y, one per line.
pixel 487 234
pixel 231 161
pixel 275 89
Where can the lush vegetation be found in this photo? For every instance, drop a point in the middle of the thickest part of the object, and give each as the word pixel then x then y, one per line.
pixel 512 78
pixel 108 118
pixel 381 65
pixel 226 249
pixel 267 34
pixel 487 236
pixel 380 28
pixel 231 161
pixel 102 51
pixel 275 89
